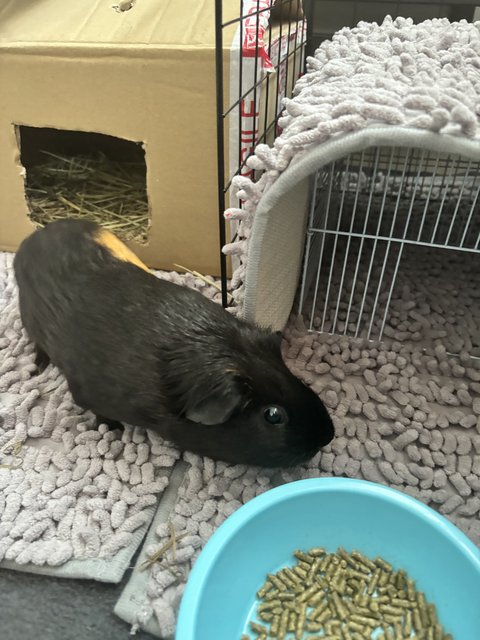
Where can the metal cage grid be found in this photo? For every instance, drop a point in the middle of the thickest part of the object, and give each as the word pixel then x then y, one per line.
pixel 367 209
pixel 258 94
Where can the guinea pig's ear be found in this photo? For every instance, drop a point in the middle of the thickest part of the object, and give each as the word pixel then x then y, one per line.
pixel 217 402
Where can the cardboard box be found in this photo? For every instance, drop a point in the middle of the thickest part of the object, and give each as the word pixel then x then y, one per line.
pixel 143 74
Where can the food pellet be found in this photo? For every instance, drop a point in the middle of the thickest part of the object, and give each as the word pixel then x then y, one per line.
pixel 342 596
pixel 279 584
pixel 274 626
pixel 262 592
pixel 292 621
pixel 302 614
pixel 417 620
pixel 300 572
pixel 303 556
pixel 266 616
pixel 315 600
pixel 283 624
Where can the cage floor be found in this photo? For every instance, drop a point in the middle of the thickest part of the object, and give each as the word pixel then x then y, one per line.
pixel 406 413
pixel 406 416
pixel 424 296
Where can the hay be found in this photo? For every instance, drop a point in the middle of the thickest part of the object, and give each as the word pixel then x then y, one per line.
pixel 91 187
pixel 209 281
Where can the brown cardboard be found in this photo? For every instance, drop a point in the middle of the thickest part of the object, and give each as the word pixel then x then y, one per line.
pixel 145 75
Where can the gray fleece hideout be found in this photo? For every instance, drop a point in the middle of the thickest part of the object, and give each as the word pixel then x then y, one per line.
pixel 404 417
pixel 394 84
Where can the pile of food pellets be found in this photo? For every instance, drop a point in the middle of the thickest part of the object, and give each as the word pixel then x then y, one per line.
pixel 343 596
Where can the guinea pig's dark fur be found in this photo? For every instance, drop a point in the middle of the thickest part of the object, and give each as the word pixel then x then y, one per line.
pixel 137 349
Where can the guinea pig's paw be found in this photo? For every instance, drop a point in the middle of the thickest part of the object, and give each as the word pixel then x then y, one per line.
pixel 41 360
pixel 111 424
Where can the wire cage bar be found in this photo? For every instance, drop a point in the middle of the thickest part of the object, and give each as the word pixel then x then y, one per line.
pixel 260 53
pixel 369 209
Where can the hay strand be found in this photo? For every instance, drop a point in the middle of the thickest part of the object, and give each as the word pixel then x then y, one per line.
pixel 13 450
pixel 196 274
pixel 91 187
pixel 172 542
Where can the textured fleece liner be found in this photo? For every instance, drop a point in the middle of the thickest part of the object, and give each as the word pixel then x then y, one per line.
pixel 405 417
pixel 394 84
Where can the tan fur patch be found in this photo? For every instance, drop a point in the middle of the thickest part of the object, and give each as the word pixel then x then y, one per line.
pixel 118 249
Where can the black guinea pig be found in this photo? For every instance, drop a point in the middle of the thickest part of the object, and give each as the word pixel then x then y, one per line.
pixel 138 349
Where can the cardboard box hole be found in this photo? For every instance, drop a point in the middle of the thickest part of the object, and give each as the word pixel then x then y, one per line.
pixel 76 174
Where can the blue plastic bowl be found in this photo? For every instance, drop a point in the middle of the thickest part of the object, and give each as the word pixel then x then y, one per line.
pixel 260 537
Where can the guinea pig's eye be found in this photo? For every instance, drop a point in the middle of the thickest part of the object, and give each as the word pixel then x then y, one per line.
pixel 275 415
